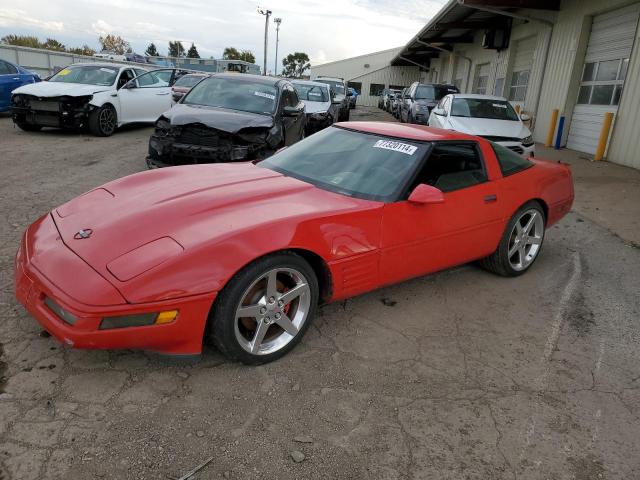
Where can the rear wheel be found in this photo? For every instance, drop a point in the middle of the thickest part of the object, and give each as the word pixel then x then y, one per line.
pixel 103 121
pixel 265 309
pixel 520 244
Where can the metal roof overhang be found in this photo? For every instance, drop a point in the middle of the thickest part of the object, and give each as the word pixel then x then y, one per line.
pixel 456 23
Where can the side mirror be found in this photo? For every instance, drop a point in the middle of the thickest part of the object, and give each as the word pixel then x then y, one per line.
pixel 291 111
pixel 439 111
pixel 525 117
pixel 425 194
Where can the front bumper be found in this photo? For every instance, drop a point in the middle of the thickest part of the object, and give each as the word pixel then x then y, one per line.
pixel 52 113
pixel 32 288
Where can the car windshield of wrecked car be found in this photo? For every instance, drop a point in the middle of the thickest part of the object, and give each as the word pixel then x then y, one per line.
pixel 234 94
pixel 351 163
pixel 337 86
pixel 87 74
pixel 483 108
pixel 312 93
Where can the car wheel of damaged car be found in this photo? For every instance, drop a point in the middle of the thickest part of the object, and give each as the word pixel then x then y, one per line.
pixel 103 121
pixel 520 244
pixel 265 309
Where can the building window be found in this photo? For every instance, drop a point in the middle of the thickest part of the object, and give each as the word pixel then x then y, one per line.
pixel 481 79
pixel 518 87
pixel 602 82
pixel 375 89
pixel 357 86
pixel 499 87
pixel 458 83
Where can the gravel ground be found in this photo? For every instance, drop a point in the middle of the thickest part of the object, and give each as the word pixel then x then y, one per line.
pixel 457 375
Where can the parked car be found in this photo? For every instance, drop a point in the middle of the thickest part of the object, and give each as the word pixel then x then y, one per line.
pixel 99 96
pixel 485 116
pixel 339 86
pixel 228 118
pixel 135 57
pixel 13 76
pixel 353 98
pixel 395 104
pixel 110 56
pixel 185 83
pixel 242 254
pixel 420 100
pixel 388 98
pixel 381 98
pixel 321 110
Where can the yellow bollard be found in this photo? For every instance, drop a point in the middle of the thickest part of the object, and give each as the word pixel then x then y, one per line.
pixel 604 136
pixel 518 108
pixel 552 127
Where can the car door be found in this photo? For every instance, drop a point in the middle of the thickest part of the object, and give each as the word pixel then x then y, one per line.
pixel 146 97
pixel 418 239
pixel 437 121
pixel 293 125
pixel 10 79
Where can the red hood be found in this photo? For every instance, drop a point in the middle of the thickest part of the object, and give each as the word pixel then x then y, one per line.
pixel 181 208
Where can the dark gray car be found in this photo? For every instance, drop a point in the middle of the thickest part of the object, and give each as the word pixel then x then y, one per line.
pixel 341 94
pixel 420 99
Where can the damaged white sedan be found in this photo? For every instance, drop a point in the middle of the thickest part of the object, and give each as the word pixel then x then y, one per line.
pixel 97 96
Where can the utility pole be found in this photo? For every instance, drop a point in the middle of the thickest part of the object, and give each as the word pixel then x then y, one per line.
pixel 277 21
pixel 267 14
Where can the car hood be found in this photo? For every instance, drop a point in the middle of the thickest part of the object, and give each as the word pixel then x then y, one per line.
pixel 489 127
pixel 173 211
pixel 58 89
pixel 317 107
pixel 230 121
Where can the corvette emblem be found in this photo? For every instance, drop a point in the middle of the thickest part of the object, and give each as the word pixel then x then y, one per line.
pixel 82 234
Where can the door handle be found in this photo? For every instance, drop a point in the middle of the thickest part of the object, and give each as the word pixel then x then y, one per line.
pixel 490 198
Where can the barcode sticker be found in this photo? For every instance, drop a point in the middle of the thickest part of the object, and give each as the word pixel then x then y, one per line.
pixel 265 95
pixel 396 146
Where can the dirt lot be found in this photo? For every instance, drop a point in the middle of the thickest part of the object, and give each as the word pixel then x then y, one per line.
pixel 457 375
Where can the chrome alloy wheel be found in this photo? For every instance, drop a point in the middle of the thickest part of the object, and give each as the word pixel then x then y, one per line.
pixel 272 311
pixel 525 239
pixel 107 119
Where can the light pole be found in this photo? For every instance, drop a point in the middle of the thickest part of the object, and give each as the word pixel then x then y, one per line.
pixel 267 14
pixel 277 21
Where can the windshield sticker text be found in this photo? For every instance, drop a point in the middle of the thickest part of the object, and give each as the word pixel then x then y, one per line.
pixel 107 70
pixel 265 95
pixel 396 146
pixel 64 72
pixel 498 105
pixel 315 94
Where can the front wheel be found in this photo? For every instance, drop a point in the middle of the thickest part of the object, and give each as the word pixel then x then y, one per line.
pixel 520 244
pixel 265 309
pixel 103 121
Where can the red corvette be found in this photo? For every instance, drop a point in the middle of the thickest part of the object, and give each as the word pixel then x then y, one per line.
pixel 242 254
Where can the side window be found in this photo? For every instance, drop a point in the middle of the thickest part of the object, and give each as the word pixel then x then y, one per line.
pixel 125 76
pixel 139 71
pixel 7 69
pixel 510 162
pixel 452 166
pixel 155 79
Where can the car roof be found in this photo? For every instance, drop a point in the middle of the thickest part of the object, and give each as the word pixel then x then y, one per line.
pixel 406 131
pixel 478 96
pixel 99 64
pixel 309 82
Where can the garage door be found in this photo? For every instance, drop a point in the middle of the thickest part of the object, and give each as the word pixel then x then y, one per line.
pixel 603 74
pixel 521 69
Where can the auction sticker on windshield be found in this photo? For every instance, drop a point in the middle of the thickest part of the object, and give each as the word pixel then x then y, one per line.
pixel 265 95
pixel 396 146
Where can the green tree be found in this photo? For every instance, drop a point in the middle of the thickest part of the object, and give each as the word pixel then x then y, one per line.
pixel 21 41
pixel 84 50
pixel 231 53
pixel 152 51
pixel 176 49
pixel 193 52
pixel 295 64
pixel 53 44
pixel 115 44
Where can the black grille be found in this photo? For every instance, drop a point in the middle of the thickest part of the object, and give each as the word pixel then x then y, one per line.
pixel 518 150
pixel 206 137
pixel 495 138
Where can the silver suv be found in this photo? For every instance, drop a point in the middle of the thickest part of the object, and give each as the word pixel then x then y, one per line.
pixel 419 100
pixel 340 94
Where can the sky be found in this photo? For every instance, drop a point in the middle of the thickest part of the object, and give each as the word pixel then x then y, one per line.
pixel 327 30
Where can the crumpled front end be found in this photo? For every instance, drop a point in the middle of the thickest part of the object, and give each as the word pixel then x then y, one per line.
pixel 195 143
pixel 59 112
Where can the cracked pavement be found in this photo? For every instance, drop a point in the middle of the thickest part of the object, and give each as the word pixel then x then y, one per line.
pixel 456 375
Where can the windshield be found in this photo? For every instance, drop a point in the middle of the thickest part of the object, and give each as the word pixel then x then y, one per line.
pixel 87 74
pixel 337 86
pixel 235 94
pixel 188 80
pixel 351 163
pixel 431 92
pixel 483 108
pixel 312 93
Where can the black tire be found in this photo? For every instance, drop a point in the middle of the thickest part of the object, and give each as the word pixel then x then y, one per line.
pixel 222 319
pixel 28 127
pixel 103 121
pixel 499 261
pixel 347 116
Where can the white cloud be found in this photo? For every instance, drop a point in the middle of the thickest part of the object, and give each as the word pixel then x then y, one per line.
pixel 12 18
pixel 102 28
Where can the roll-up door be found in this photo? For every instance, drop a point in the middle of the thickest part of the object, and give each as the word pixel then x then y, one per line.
pixel 521 69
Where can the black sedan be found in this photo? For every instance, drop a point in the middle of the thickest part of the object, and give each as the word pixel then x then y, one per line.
pixel 228 118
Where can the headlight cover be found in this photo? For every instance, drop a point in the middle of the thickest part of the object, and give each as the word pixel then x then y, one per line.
pixel 527 141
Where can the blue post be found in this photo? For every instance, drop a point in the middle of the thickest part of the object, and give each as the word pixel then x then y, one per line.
pixel 559 134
